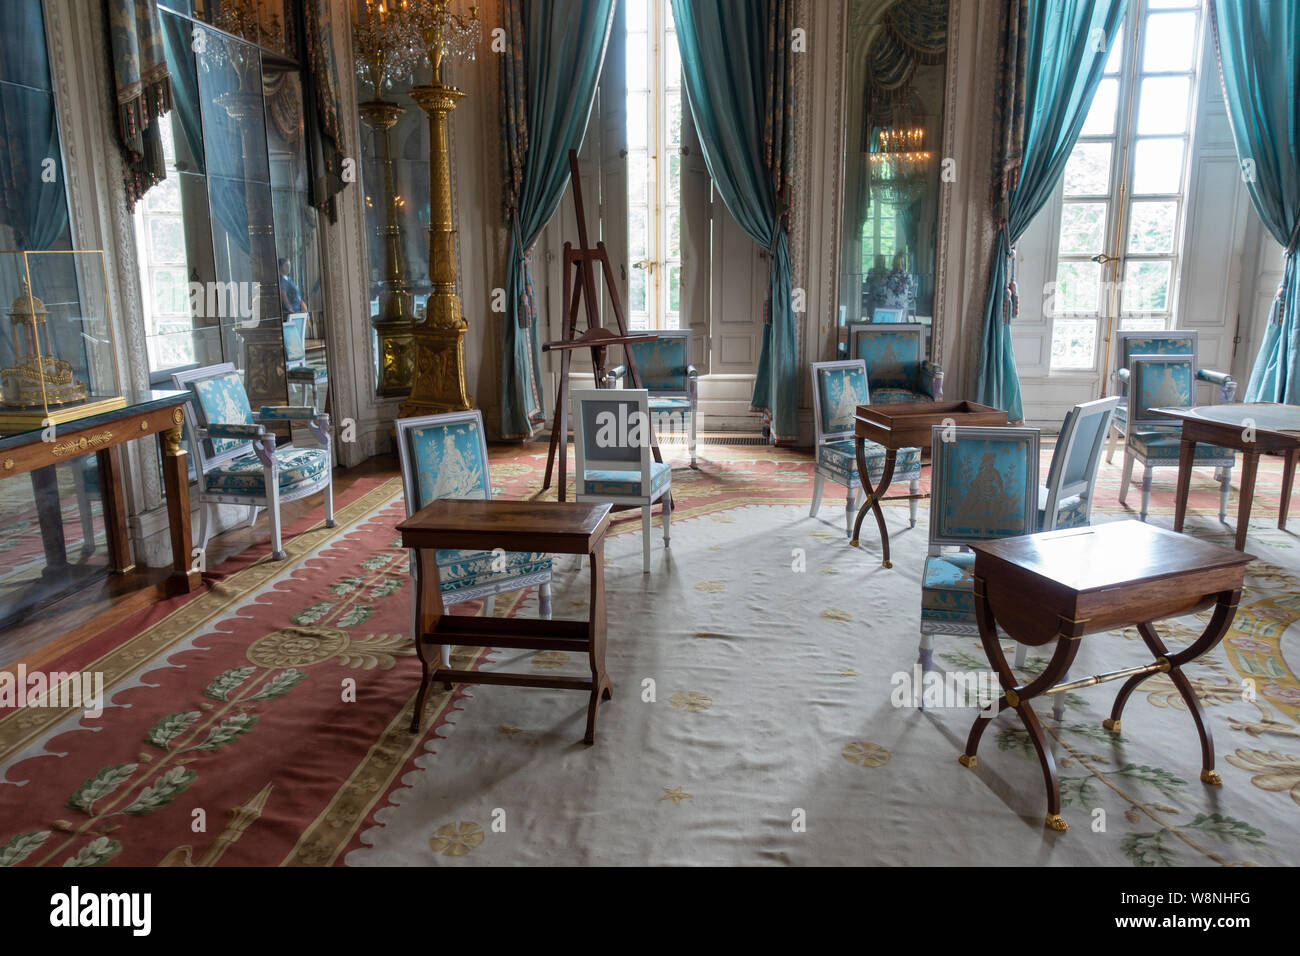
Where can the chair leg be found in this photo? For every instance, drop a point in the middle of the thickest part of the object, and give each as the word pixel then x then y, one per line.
pixel 329 504
pixel 645 539
pixel 850 507
pixel 277 547
pixel 666 503
pixel 1225 486
pixel 544 600
pixel 252 515
pixel 489 605
pixel 1126 477
pixel 205 525
pixel 818 483
pixel 693 417
pixel 1147 473
pixel 925 659
pixel 1058 702
pixel 914 489
pixel 1288 478
pixel 1110 445
pixel 1022 651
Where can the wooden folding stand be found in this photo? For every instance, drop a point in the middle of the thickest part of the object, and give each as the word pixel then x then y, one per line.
pixel 582 289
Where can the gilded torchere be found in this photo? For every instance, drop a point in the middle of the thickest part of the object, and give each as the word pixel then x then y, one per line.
pixel 385 49
pixel 439 340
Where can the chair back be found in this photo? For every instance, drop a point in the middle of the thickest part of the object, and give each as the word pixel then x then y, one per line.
pixel 1159 380
pixel 838 389
pixel 612 431
pixel 1078 454
pixel 218 398
pixel 984 484
pixel 888 315
pixel 661 360
pixel 1160 342
pixel 295 340
pixel 893 352
pixel 443 456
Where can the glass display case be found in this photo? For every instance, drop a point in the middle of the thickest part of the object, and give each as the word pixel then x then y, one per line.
pixel 58 357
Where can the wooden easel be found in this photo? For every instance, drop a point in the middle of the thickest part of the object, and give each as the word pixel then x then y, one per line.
pixel 597 338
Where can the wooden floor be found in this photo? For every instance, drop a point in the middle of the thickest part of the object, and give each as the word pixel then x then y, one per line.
pixel 57 626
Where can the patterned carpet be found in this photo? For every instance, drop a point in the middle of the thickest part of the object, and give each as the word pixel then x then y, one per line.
pixel 751 722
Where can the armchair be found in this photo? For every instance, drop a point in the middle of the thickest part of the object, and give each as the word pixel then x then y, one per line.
pixel 299 371
pixel 1171 342
pixel 445 456
pixel 1165 381
pixel 895 358
pixel 663 365
pixel 236 457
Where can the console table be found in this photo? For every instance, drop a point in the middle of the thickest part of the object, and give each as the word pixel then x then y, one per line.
pixel 904 425
pixel 1058 586
pixel 150 413
pixel 550 526
pixel 1254 428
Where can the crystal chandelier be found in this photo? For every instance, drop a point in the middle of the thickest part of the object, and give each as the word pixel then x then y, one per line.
pixel 446 34
pixel 386 42
pixel 899 162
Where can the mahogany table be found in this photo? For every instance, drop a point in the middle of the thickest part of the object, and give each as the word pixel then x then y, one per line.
pixel 1058 586
pixel 548 526
pixel 1254 428
pixel 146 413
pixel 904 425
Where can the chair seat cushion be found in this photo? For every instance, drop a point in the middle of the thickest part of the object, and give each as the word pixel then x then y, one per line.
pixel 627 484
pixel 308 373
pixel 298 467
pixel 665 403
pixel 460 570
pixel 1071 512
pixel 1161 443
pixel 838 461
pixel 947 587
pixel 894 396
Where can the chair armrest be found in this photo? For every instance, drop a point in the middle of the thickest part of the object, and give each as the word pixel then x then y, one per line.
pixel 692 372
pixel 613 376
pixel 1227 385
pixel 931 380
pixel 286 413
pixel 1121 375
pixel 302 373
pixel 239 432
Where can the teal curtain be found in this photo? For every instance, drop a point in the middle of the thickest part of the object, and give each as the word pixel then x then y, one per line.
pixel 1258 44
pixel 1053 53
pixel 549 70
pixel 143 90
pixel 739 76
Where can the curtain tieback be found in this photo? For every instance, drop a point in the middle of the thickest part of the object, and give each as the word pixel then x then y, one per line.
pixel 1011 302
pixel 527 302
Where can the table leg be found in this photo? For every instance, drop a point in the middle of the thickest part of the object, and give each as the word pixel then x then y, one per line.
pixel 1288 479
pixel 112 488
pixel 45 488
pixel 176 483
pixel 600 685
pixel 428 609
pixel 873 497
pixel 1249 466
pixel 1186 455
pixel 1019 698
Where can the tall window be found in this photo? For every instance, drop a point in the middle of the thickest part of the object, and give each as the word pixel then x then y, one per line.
pixel 1124 185
pixel 654 167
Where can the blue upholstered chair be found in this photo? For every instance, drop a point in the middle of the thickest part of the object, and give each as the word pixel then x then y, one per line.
pixel 1171 342
pixel 896 365
pixel 984 485
pixel 302 374
pixel 445 456
pixel 236 458
pixel 1066 500
pixel 612 433
pixel 838 388
pixel 663 363
pixel 1165 381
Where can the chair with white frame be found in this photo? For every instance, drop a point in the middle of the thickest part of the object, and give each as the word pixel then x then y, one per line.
pixel 236 457
pixel 612 436
pixel 838 389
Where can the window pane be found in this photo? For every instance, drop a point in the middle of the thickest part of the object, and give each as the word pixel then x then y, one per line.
pixel 1116 57
pixel 1146 287
pixel 636 233
pixel 1157 166
pixel 638 15
pixel 674 222
pixel 165 196
pixel 673 109
pixel 636 291
pixel 166 241
pixel 1101 114
pixel 1170 42
pixel 1087 172
pixel 1162 105
pixel 672 63
pixel 1083 228
pixel 171 293
pixel 638 62
pixel 1078 287
pixel 1142 323
pixel 1151 227
pixel 1074 343
pixel 638 121
pixel 638 176
pixel 674 292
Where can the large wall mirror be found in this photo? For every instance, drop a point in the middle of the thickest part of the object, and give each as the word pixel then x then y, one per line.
pixel 893 160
